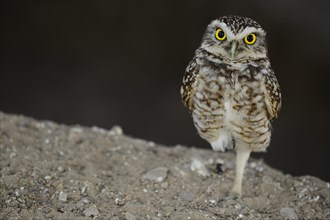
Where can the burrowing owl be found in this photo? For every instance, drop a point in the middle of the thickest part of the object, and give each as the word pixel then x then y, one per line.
pixel 231 91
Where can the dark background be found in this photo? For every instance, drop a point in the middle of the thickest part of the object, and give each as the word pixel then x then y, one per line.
pixel 105 63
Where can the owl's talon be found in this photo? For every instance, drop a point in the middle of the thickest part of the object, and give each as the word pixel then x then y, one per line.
pixel 232 195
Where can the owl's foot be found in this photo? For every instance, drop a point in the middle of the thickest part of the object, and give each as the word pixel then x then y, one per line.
pixel 234 194
pixel 236 191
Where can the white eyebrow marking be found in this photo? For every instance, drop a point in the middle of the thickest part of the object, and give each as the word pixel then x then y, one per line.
pixel 249 30
pixel 241 35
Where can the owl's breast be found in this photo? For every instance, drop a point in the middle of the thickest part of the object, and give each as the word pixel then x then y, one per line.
pixel 231 103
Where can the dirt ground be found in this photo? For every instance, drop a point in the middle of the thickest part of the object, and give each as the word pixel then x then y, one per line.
pixel 52 171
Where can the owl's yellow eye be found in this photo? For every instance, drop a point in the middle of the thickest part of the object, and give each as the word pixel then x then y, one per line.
pixel 250 39
pixel 219 34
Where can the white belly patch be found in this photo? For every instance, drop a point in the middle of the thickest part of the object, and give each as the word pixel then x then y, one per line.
pixel 224 141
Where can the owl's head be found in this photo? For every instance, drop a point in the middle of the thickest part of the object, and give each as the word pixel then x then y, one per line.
pixel 235 38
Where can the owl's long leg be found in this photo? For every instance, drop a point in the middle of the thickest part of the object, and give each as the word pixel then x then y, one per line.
pixel 242 155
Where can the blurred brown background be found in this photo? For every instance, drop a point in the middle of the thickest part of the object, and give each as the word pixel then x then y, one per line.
pixel 104 63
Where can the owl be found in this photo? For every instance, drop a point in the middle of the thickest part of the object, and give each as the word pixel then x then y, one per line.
pixel 231 91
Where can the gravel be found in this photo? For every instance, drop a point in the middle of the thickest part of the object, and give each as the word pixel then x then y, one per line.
pixel 52 171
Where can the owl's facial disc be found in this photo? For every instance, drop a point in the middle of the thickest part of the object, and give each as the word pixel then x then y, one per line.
pixel 243 44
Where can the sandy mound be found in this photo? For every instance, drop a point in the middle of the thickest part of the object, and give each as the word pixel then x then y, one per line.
pixel 51 171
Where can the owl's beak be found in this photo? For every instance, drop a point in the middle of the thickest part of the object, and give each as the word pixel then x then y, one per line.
pixel 233 49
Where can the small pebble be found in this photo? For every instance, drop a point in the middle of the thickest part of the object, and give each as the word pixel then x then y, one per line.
pixel 213 202
pixel 120 201
pixel 288 213
pixel 76 129
pixel 90 189
pixel 60 169
pixel 186 196
pixel 40 125
pixel 199 167
pixel 63 196
pixel 98 130
pixel 158 174
pixel 16 193
pixel 151 144
pixel 116 130
pixel 219 160
pixel 91 211
pixel 253 165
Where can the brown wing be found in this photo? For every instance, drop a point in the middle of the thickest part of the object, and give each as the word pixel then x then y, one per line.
pixel 188 83
pixel 272 95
